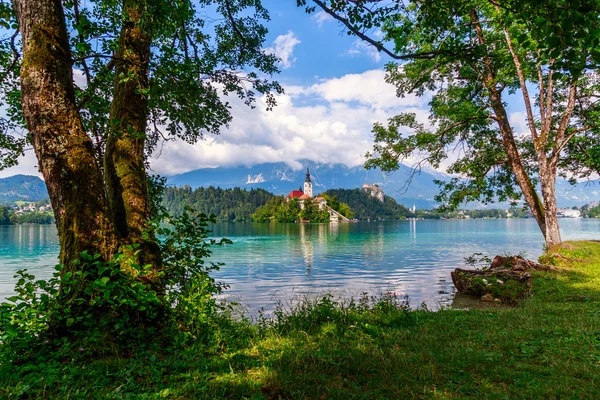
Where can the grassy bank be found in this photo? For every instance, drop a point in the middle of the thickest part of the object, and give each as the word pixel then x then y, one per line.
pixel 547 348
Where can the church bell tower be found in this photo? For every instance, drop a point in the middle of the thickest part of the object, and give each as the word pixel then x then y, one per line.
pixel 308 184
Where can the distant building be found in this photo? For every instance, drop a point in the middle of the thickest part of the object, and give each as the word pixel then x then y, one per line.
pixel 308 185
pixel 375 191
pixel 568 213
pixel 295 194
pixel 307 194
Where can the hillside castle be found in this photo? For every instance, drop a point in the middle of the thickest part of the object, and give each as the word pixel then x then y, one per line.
pixel 375 191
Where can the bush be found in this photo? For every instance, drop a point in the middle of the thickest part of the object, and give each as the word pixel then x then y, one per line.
pixel 99 308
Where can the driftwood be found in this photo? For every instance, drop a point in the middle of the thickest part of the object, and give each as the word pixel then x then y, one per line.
pixel 497 283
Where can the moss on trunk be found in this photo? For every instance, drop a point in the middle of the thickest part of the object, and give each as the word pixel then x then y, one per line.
pixel 64 151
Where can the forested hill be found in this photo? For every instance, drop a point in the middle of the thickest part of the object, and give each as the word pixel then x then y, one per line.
pixel 22 187
pixel 366 207
pixel 229 205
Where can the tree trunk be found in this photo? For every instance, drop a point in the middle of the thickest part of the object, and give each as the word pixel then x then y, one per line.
pixel 64 151
pixel 508 140
pixel 548 183
pixel 124 168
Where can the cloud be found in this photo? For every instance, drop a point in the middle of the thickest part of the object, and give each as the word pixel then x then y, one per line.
pixel 518 120
pixel 360 47
pixel 321 17
pixel 283 48
pixel 28 165
pixel 327 122
pixel 368 88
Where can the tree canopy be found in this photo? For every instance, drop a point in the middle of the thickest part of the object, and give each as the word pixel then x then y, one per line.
pixel 468 57
pixel 101 85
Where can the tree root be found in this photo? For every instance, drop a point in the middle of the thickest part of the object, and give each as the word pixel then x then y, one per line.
pixel 507 279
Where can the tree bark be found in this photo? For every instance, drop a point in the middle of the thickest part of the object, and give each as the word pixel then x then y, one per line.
pixel 548 183
pixel 124 167
pixel 64 151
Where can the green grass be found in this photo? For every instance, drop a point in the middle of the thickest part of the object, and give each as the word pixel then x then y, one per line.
pixel 547 348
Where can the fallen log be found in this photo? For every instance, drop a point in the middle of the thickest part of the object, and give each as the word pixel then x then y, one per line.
pixel 507 279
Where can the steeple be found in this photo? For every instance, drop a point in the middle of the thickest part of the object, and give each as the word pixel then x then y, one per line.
pixel 308 184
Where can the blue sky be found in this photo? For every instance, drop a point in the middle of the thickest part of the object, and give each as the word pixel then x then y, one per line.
pixel 335 92
pixel 325 50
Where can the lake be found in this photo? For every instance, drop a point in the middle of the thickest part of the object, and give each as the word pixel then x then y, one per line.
pixel 284 262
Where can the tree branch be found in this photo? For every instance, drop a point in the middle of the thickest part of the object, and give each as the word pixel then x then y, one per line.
pixel 561 140
pixel 378 45
pixel 541 83
pixel 235 28
pixel 523 84
pixel 547 122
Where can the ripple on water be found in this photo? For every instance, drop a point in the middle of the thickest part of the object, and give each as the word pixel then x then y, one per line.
pixel 270 262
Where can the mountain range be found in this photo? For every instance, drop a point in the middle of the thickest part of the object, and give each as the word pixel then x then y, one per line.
pixel 22 187
pixel 280 178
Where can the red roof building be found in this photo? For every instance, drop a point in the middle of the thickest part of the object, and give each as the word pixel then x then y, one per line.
pixel 294 194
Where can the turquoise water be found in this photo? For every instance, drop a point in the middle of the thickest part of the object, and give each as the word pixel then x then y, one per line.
pixel 284 262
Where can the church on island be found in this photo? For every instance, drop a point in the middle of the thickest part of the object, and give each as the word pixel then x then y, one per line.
pixel 307 193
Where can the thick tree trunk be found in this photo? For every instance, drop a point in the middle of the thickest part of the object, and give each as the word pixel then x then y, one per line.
pixel 548 183
pixel 65 153
pixel 124 167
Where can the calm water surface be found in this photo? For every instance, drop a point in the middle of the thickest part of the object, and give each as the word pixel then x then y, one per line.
pixel 267 263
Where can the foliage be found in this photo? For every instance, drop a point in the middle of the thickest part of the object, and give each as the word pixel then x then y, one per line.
pixel 333 348
pixel 197 50
pixel 591 212
pixel 96 307
pixel 185 247
pixel 32 217
pixel 280 209
pixel 338 206
pixel 104 307
pixel 364 206
pixel 228 205
pixel 4 215
pixel 466 58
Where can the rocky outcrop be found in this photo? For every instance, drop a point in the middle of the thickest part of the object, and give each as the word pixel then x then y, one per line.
pixel 375 191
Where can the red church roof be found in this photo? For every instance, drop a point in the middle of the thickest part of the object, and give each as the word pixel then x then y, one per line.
pixel 294 194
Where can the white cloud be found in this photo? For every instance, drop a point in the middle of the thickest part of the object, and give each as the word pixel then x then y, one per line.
pixel 28 165
pixel 518 120
pixel 321 17
pixel 327 122
pixel 368 88
pixel 283 48
pixel 360 47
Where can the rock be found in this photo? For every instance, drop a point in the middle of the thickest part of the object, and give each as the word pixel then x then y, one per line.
pixel 488 298
pixel 496 278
